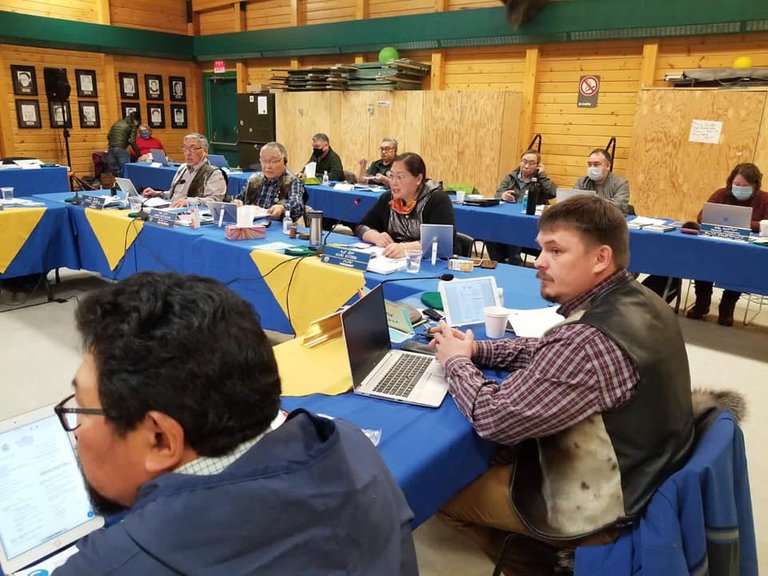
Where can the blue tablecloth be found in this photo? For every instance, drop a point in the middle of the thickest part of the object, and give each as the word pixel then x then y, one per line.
pixel 37 181
pixel 50 245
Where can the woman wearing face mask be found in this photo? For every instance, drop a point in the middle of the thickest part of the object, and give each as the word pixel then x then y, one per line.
pixel 146 142
pixel 394 222
pixel 741 189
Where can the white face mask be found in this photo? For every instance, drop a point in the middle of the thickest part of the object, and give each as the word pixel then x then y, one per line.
pixel 741 192
pixel 595 173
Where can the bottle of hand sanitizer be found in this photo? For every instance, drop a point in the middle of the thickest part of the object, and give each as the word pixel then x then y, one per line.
pixel 325 178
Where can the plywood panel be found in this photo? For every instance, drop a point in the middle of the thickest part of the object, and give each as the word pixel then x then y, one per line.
pixel 300 115
pixel 217 21
pixel 761 150
pixel 144 14
pixel 440 138
pixel 268 14
pixel 672 177
pixel 481 116
pixel 79 10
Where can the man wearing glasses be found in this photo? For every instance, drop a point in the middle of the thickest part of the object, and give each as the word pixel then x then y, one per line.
pixel 378 171
pixel 188 439
pixel 195 178
pixel 275 188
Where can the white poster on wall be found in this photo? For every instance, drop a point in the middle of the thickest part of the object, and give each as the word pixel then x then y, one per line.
pixel 705 131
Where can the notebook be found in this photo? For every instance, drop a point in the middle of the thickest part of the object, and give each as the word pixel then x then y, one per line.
pixel 44 506
pixel 564 194
pixel 218 160
pixel 726 215
pixel 380 371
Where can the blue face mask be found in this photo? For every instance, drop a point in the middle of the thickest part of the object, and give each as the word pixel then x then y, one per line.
pixel 144 133
pixel 741 192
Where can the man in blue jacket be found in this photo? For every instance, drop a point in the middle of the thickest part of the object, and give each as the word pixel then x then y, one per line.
pixel 176 410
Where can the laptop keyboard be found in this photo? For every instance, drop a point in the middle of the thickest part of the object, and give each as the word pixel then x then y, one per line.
pixel 403 375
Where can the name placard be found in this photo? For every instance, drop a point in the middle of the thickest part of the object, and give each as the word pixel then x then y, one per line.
pixel 95 202
pixel 344 256
pixel 162 218
pixel 725 232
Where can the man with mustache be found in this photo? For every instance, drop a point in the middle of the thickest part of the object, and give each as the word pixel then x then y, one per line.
pixel 176 412
pixel 598 409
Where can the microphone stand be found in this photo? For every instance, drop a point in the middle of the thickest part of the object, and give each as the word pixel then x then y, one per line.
pixel 76 200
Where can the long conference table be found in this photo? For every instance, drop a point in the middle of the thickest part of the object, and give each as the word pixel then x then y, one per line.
pixel 740 266
pixel 26 182
pixel 432 453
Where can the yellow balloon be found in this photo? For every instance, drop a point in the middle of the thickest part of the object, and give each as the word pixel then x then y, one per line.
pixel 742 62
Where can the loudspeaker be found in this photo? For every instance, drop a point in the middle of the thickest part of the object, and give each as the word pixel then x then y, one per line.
pixel 57 86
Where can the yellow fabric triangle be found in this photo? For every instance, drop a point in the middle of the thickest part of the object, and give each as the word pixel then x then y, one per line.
pixel 110 227
pixel 317 288
pixel 16 225
pixel 323 369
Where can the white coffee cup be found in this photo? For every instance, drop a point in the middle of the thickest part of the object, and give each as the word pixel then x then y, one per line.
pixel 495 321
pixel 460 196
pixel 764 228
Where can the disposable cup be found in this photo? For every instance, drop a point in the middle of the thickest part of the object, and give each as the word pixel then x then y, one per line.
pixel 412 261
pixel 460 196
pixel 764 228
pixel 7 193
pixel 495 321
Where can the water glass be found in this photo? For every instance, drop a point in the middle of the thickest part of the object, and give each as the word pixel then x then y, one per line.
pixel 7 193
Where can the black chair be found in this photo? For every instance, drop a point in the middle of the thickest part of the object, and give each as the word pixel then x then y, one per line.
pixel 463 244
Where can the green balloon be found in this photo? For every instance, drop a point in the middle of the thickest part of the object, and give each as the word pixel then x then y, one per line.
pixel 388 54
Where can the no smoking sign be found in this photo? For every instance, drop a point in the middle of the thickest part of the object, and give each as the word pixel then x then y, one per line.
pixel 589 88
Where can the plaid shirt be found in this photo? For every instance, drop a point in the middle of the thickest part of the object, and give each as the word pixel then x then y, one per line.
pixel 268 195
pixel 556 381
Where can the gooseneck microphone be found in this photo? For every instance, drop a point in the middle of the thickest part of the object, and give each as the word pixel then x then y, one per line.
pixel 355 203
pixel 444 277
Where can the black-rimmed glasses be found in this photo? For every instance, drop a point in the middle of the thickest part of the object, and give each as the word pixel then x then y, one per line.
pixel 68 415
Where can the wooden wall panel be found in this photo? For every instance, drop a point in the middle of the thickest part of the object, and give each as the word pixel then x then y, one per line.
pixel 324 11
pixel 217 21
pixel 268 14
pixel 499 68
pixel 145 14
pixel 569 133
pixel 260 71
pixel 171 138
pixel 677 54
pixel 761 149
pixel 79 10
pixel 469 4
pixel 385 8
pixel 48 143
pixel 671 176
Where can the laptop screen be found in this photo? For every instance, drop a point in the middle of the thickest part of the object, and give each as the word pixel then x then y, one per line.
pixel 366 334
pixel 44 505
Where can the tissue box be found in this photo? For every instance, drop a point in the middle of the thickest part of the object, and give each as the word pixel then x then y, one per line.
pixel 234 232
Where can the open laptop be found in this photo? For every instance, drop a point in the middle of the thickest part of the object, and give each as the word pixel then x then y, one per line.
pixel 223 213
pixel 218 160
pixel 44 506
pixel 379 371
pixel 564 194
pixel 159 157
pixel 443 233
pixel 130 190
pixel 727 215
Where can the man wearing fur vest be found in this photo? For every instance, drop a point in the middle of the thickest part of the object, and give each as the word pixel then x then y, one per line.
pixel 598 410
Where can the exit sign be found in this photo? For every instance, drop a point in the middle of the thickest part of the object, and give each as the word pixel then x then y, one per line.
pixel 218 66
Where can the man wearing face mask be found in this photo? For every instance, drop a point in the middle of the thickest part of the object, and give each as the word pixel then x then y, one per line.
pixel 327 160
pixel 742 188
pixel 599 178
pixel 146 142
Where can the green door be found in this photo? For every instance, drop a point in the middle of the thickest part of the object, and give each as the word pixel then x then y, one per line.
pixel 220 94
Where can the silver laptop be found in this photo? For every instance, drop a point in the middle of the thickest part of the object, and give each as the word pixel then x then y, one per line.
pixel 727 215
pixel 564 194
pixel 44 506
pixel 127 187
pixel 443 233
pixel 159 156
pixel 379 371
pixel 218 160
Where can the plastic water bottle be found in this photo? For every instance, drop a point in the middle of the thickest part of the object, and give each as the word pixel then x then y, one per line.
pixel 287 225
pixel 525 201
pixel 325 178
